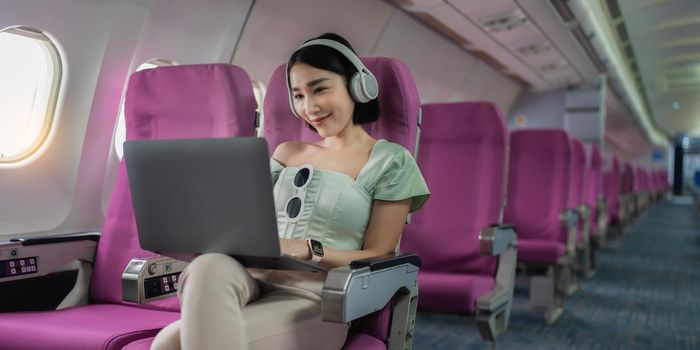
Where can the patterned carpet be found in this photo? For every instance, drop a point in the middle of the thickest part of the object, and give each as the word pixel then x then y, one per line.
pixel 645 295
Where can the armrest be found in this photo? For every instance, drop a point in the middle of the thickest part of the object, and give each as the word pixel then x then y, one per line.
pixel 493 308
pixel 148 279
pixel 386 261
pixel 367 285
pixel 602 207
pixel 583 211
pixel 569 222
pixel 71 237
pixel 23 258
pixel 495 239
pixel 502 292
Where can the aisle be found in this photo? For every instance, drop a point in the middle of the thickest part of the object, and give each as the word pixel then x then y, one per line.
pixel 646 295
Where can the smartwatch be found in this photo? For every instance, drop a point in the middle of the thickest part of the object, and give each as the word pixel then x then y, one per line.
pixel 316 249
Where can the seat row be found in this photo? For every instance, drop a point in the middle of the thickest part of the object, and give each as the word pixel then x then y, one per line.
pixel 486 184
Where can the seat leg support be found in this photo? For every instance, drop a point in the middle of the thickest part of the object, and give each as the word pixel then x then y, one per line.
pixel 546 294
pixel 403 321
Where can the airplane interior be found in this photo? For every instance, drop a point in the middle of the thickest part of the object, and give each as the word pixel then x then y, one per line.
pixel 543 191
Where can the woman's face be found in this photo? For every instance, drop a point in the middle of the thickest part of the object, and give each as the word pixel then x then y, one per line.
pixel 321 98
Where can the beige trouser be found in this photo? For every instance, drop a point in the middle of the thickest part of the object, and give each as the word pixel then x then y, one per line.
pixel 224 306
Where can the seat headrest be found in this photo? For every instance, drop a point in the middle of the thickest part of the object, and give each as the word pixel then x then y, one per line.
pixel 203 100
pixel 398 99
pixel 484 122
pixel 545 142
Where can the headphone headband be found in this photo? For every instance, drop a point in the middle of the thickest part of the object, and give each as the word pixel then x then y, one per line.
pixel 351 56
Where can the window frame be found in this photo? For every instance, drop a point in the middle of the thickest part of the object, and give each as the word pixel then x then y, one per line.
pixel 50 117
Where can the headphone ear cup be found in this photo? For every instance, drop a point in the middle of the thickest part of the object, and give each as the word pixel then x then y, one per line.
pixel 355 88
pixel 363 87
pixel 371 87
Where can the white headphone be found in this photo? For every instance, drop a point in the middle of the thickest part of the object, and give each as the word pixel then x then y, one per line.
pixel 363 85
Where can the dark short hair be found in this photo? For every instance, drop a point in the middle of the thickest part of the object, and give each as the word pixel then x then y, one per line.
pixel 327 58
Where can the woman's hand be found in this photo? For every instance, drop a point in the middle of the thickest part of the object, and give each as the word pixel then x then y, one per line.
pixel 297 248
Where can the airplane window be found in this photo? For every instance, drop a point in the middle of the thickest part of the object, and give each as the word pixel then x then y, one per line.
pixel 30 67
pixel 120 130
pixel 259 91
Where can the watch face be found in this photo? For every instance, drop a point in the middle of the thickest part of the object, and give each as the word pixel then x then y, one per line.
pixel 316 247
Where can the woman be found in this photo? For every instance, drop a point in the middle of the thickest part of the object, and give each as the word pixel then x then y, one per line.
pixel 343 198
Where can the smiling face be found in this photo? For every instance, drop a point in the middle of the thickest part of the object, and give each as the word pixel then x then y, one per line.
pixel 321 98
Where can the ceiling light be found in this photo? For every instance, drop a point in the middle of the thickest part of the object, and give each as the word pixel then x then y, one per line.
pixel 534 49
pixel 504 21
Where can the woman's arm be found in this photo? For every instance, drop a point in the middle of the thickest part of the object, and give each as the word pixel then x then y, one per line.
pixel 385 226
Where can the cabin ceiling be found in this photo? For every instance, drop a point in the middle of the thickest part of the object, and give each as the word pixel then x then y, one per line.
pixel 540 44
pixel 532 43
pixel 661 39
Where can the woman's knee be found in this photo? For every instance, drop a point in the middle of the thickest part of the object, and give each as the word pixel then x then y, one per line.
pixel 218 271
pixel 168 338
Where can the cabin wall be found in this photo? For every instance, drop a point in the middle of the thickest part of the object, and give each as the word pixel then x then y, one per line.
pixel 535 110
pixel 39 196
pixel 101 43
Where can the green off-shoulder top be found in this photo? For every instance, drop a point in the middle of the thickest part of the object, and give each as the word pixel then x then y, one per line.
pixel 336 207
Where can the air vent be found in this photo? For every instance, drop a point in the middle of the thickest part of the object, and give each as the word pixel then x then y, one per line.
pixel 614 9
pixel 534 49
pixel 554 67
pixel 504 21
pixel 622 31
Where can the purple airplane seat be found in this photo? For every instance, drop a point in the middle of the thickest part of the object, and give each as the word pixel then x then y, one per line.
pixel 576 201
pixel 463 158
pixel 593 198
pixel 538 182
pixel 640 188
pixel 628 191
pixel 170 102
pixel 612 189
pixel 398 123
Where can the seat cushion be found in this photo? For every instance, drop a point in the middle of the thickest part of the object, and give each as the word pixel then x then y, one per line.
pixel 375 324
pixel 141 344
pixel 361 341
pixel 448 292
pixel 355 341
pixel 90 327
pixel 540 251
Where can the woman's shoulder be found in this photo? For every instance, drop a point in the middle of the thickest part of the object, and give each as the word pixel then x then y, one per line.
pixel 287 150
pixel 391 150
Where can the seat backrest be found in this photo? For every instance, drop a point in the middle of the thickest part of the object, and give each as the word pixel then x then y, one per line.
pixel 462 157
pixel 398 122
pixel 576 174
pixel 398 98
pixel 627 178
pixel 638 179
pixel 644 184
pixel 195 101
pixel 538 182
pixel 593 176
pixel 612 186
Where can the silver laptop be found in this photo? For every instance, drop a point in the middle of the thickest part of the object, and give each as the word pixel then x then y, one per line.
pixel 194 196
